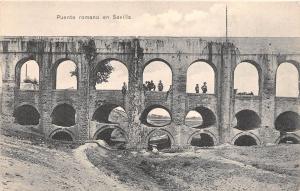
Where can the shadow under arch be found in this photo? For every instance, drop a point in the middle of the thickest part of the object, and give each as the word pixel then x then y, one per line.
pixel 211 140
pixel 147 110
pixel 63 114
pixel 54 71
pixel 102 113
pixel 113 135
pixel 287 121
pixel 288 138
pixel 18 68
pixel 161 141
pixel 247 120
pixel 259 73
pixel 208 117
pixel 250 139
pixel 62 135
pixel 26 114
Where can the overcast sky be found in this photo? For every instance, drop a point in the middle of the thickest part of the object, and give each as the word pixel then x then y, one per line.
pixel 151 18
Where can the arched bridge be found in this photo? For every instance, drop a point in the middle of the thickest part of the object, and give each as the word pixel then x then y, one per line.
pixel 228 117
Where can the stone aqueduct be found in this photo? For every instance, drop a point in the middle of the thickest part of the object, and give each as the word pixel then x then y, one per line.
pixel 266 54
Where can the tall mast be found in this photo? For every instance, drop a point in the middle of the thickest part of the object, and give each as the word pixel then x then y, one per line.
pixel 226 26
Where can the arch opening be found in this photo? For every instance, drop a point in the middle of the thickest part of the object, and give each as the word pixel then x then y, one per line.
pixel 156 116
pixel 157 76
pixel 287 77
pixel 289 140
pixel 245 140
pixel 159 139
pixel 110 113
pixel 62 136
pixel 113 136
pixel 206 119
pixel 199 73
pixel 66 75
pixel 247 120
pixel 202 140
pixel 288 121
pixel 110 75
pixel 246 79
pixel 193 119
pixel 29 75
pixel 63 115
pixel 26 115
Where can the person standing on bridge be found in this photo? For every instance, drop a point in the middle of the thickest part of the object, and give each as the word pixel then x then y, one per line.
pixel 204 88
pixel 160 86
pixel 124 88
pixel 197 88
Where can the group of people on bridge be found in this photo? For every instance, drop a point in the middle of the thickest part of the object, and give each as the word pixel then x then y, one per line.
pixel 203 88
pixel 150 86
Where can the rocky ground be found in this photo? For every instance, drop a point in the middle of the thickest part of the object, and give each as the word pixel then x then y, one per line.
pixel 33 165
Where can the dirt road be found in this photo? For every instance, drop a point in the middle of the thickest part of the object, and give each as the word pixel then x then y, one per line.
pixel 27 167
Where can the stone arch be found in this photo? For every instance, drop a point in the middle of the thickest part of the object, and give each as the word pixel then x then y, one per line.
pixel 206 138
pixel 56 65
pixel 288 138
pixel 250 78
pixel 103 112
pixel 26 114
pixel 246 139
pixel 208 117
pixel 167 78
pixel 287 121
pixel 247 120
pixel 122 65
pixel 191 89
pixel 287 81
pixel 109 134
pixel 19 66
pixel 63 115
pixel 147 110
pixel 161 142
pixel 63 135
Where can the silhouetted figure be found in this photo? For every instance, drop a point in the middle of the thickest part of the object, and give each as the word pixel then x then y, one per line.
pixel 170 90
pixel 204 88
pixel 160 86
pixel 151 86
pixel 145 87
pixel 197 88
pixel 124 88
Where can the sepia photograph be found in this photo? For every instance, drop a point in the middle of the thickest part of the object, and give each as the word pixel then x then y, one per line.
pixel 150 95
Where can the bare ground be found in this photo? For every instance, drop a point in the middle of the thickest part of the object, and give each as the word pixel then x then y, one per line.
pixel 223 168
pixel 30 165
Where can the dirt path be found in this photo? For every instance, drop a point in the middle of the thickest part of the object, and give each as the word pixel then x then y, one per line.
pixel 25 167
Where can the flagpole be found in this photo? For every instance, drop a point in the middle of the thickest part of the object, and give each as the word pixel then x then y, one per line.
pixel 226 26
